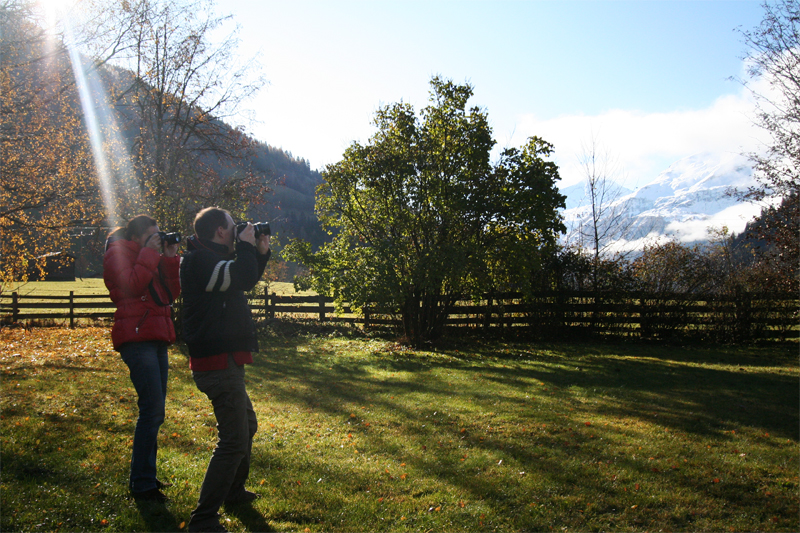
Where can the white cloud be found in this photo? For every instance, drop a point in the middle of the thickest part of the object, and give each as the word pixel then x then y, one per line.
pixel 734 218
pixel 645 144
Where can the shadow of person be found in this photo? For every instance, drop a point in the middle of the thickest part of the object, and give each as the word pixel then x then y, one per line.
pixel 250 517
pixel 157 516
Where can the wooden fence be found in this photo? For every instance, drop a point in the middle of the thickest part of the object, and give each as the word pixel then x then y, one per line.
pixel 560 315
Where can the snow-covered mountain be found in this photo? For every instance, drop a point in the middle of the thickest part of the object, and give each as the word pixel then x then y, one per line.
pixel 684 202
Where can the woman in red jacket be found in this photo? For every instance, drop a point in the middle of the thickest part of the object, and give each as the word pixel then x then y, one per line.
pixel 142 276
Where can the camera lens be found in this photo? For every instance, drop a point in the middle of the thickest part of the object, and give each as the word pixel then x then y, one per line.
pixel 259 228
pixel 262 228
pixel 169 238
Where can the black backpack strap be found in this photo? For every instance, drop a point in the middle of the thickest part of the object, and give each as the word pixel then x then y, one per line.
pixel 154 293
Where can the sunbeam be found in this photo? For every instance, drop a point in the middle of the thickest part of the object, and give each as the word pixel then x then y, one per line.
pixel 101 127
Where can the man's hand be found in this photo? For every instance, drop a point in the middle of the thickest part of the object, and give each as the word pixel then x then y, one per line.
pixel 262 245
pixel 248 234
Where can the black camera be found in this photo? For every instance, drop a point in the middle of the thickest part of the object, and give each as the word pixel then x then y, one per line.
pixel 260 228
pixel 168 239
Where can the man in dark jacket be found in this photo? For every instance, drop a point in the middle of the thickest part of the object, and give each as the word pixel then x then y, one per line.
pixel 218 329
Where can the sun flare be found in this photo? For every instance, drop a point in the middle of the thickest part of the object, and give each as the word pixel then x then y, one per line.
pixel 54 10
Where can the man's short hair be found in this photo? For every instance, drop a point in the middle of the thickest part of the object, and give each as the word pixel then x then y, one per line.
pixel 208 220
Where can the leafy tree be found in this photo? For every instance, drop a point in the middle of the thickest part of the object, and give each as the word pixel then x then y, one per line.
pixel 671 268
pixel 774 57
pixel 421 216
pixel 47 180
pixel 183 84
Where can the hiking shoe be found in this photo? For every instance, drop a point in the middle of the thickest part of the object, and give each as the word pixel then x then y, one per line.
pixel 152 495
pixel 242 497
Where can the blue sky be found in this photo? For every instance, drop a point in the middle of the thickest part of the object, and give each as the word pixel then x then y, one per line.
pixel 648 80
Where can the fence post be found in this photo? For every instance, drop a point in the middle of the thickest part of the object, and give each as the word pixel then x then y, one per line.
pixel 366 316
pixel 72 309
pixel 14 307
pixel 487 314
pixel 271 312
pixel 321 308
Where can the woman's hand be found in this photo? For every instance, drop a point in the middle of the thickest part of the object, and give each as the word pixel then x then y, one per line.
pixel 171 250
pixel 154 242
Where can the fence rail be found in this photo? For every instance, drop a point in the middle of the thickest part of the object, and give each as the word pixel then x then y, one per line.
pixel 631 315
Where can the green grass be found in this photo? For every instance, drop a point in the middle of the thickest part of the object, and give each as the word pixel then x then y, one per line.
pixel 97 286
pixel 362 434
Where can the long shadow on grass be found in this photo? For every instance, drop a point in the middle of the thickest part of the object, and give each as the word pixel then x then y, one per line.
pixel 640 383
pixel 157 517
pixel 250 517
pixel 637 384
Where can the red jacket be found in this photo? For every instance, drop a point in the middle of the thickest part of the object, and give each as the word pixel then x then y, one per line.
pixel 131 274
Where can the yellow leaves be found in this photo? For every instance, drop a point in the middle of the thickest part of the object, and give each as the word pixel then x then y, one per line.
pixel 183 525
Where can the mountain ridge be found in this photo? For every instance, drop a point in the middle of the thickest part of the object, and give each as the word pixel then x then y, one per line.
pixel 693 196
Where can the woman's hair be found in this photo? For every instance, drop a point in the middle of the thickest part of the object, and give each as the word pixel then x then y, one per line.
pixel 138 225
pixel 135 228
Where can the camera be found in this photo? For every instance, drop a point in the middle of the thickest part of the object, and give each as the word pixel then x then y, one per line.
pixel 168 239
pixel 260 228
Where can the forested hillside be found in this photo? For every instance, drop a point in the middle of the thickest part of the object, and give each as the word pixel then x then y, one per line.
pixel 287 182
pixel 289 207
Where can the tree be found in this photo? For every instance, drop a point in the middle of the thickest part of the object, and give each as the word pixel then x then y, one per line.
pixel 606 221
pixel 47 183
pixel 421 216
pixel 774 58
pixel 183 85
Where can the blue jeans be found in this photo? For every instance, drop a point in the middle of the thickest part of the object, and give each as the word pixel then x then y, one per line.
pixel 236 423
pixel 149 368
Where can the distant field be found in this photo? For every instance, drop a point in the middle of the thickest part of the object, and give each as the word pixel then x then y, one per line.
pixel 96 286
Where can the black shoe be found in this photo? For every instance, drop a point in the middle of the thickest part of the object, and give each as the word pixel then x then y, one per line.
pixel 152 495
pixel 243 497
pixel 162 484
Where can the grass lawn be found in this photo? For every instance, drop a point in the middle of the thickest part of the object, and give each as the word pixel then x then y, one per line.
pixel 97 286
pixel 362 434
